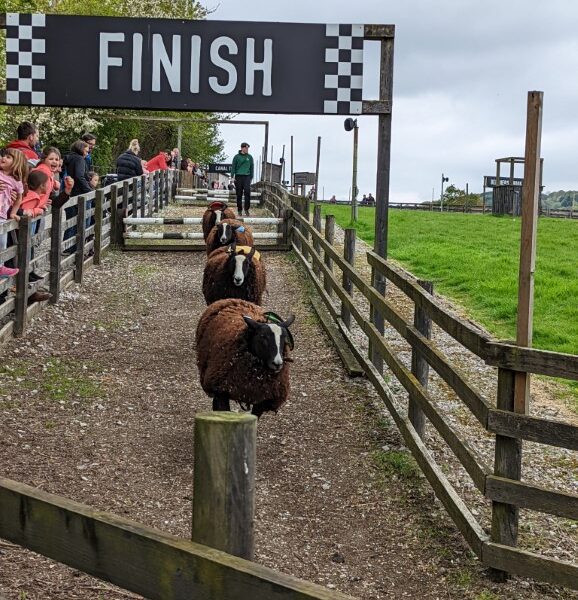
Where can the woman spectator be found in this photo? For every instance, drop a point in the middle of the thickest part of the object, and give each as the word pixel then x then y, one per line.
pixel 128 164
pixel 75 166
pixel 160 162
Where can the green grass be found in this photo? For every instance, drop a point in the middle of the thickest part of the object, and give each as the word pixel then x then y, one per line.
pixel 474 260
pixel 395 462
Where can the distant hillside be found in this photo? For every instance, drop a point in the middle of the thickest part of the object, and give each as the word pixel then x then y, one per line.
pixel 560 199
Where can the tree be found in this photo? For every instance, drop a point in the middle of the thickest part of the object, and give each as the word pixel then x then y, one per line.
pixel 62 126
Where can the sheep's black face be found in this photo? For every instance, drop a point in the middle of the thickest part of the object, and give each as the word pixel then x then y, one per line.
pixel 267 342
pixel 239 265
pixel 225 233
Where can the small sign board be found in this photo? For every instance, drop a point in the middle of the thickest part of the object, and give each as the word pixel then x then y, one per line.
pixel 303 178
pixel 490 181
pixel 220 168
pixel 173 64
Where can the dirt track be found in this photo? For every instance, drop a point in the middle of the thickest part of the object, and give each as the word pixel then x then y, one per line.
pixel 98 402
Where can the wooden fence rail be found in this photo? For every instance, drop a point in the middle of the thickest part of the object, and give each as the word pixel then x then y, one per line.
pixel 502 484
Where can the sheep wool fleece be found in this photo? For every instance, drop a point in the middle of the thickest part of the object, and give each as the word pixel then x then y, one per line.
pixel 225 363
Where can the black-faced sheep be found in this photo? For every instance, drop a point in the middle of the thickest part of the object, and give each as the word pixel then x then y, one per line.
pixel 234 272
pixel 227 232
pixel 243 355
pixel 215 213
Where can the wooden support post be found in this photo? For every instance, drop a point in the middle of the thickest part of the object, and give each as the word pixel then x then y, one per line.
pixel 55 245
pixel 508 463
pixel 316 196
pixel 151 185
pixel 419 366
pixel 349 255
pixel 530 203
pixel 125 192
pixel 305 213
pixel 98 215
pixel 290 220
pixel 224 482
pixel 80 235
pixel 23 263
pixel 135 197
pixel 156 189
pixel 113 215
pixel 317 225
pixel 329 237
pixel 143 195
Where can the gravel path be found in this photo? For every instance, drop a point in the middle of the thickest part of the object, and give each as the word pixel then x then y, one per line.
pixel 97 403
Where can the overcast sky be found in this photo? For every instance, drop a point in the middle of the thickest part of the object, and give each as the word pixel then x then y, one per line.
pixel 461 76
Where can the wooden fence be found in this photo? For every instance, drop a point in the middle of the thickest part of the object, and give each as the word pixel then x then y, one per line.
pixel 502 484
pixel 94 223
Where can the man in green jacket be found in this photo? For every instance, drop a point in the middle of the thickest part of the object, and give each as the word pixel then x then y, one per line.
pixel 242 171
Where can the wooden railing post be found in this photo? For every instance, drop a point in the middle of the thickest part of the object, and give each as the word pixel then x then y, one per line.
pixel 125 191
pixel 508 464
pixel 23 263
pixel 156 190
pixel 349 256
pixel 143 195
pixel 134 202
pixel 98 216
pixel 151 186
pixel 55 245
pixel 419 366
pixel 113 216
pixel 317 226
pixel 80 235
pixel 329 237
pixel 224 482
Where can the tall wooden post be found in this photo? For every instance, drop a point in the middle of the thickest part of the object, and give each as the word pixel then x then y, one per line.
pixel 143 195
pixel 349 255
pixel 23 259
pixel 316 245
pixel 329 238
pixel 98 214
pixel 317 168
pixel 80 239
pixel 224 482
pixel 354 210
pixel 419 365
pixel 382 180
pixel 530 201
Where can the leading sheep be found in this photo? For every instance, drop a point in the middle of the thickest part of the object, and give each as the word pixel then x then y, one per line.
pixel 215 213
pixel 243 355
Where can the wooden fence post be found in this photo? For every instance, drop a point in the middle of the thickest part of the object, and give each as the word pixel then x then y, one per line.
pixel 508 463
pixel 329 237
pixel 156 187
pixel 23 263
pixel 98 216
pixel 135 181
pixel 125 190
pixel 80 235
pixel 419 366
pixel 224 481
pixel 55 245
pixel 316 244
pixel 143 195
pixel 151 186
pixel 113 215
pixel 349 255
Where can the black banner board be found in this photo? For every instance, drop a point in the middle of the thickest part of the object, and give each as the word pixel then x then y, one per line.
pixel 490 181
pixel 170 64
pixel 303 178
pixel 220 168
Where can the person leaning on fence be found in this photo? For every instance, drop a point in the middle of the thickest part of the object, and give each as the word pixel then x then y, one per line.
pixel 75 166
pixel 128 164
pixel 242 171
pixel 160 162
pixel 27 139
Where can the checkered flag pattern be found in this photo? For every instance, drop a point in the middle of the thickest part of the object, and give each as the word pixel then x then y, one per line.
pixel 25 65
pixel 344 69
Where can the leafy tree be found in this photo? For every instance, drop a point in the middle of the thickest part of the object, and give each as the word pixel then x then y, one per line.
pixel 62 126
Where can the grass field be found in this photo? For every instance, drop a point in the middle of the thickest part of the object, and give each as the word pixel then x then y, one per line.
pixel 474 260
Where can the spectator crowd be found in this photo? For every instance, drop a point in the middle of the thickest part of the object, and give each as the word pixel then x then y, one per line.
pixel 35 178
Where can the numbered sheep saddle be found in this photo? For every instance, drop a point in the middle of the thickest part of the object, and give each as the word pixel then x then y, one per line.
pixel 244 250
pixel 217 205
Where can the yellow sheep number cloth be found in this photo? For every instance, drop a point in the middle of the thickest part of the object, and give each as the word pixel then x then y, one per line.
pixel 247 250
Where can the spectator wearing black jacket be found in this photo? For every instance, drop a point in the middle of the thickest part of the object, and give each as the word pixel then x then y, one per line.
pixel 128 164
pixel 75 166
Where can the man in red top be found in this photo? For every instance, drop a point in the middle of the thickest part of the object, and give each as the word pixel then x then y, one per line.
pixel 27 139
pixel 159 162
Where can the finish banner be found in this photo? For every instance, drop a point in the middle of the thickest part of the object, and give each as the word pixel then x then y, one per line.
pixel 166 64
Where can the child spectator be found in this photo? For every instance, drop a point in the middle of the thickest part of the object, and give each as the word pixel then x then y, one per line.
pixel 93 179
pixel 13 171
pixel 34 202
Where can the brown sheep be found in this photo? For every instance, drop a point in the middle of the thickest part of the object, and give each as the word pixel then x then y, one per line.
pixel 227 231
pixel 234 272
pixel 243 355
pixel 215 213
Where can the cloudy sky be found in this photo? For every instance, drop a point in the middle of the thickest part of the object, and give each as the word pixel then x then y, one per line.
pixel 461 76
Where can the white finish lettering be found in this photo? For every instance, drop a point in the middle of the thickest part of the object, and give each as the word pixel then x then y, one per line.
pixel 266 66
pixel 277 332
pixel 238 277
pixel 220 62
pixel 105 61
pixel 172 68
pixel 137 62
pixel 195 64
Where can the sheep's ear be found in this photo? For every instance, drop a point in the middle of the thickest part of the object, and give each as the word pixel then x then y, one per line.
pixel 233 247
pixel 252 253
pixel 251 323
pixel 287 323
